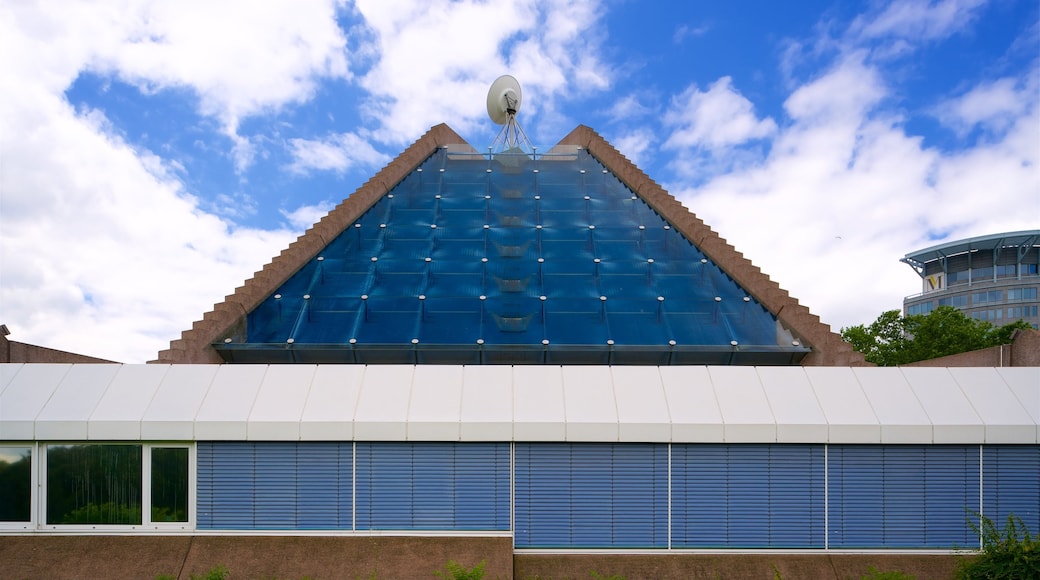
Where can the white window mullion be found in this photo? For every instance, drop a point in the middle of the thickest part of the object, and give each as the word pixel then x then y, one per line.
pixel 669 496
pixel 981 491
pixel 146 486
pixel 826 498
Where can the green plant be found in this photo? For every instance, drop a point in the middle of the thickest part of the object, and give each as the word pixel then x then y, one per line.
pixel 219 572
pixel 455 571
pixel 597 576
pixel 1010 553
pixel 875 574
pixel 165 577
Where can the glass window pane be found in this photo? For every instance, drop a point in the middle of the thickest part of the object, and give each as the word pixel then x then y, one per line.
pixel 169 484
pixel 94 484
pixel 15 484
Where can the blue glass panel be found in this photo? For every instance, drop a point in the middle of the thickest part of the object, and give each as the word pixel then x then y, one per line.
pixel 461 233
pixel 1011 484
pixel 591 495
pixel 902 496
pixel 747 496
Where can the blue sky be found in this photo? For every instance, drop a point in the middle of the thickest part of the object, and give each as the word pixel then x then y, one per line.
pixel 153 155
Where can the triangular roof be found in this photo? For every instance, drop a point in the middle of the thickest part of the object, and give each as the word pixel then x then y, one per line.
pixel 813 343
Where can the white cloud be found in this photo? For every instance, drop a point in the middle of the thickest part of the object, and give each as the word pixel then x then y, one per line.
pixel 683 32
pixel 97 245
pixel 240 58
pixel 628 109
pixel 917 20
pixel 845 193
pixel 303 217
pixel 338 152
pixel 102 250
pixel 636 146
pixel 717 118
pixel 844 94
pixel 437 59
pixel 993 106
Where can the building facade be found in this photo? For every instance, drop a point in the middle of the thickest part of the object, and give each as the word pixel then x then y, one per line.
pixel 530 360
pixel 995 278
pixel 663 460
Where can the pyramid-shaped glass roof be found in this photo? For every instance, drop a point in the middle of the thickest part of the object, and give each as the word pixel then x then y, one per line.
pixel 512 259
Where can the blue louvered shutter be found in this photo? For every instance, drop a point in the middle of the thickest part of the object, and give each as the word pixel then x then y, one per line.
pixel 226 480
pixel 433 486
pixel 749 496
pixel 324 485
pixel 268 485
pixel 856 502
pixel 482 486
pixel 204 487
pixel 902 496
pixel 1011 484
pixel 952 492
pixel 274 485
pixel 591 495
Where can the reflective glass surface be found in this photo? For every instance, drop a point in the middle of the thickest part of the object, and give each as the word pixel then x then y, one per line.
pixel 15 483
pixel 512 260
pixel 169 484
pixel 94 484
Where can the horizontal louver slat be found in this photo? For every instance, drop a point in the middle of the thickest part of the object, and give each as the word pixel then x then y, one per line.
pixel 902 496
pixel 433 486
pixel 274 485
pixel 1012 484
pixel 747 495
pixel 591 495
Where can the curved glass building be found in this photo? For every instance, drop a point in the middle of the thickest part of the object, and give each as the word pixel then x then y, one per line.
pixel 995 278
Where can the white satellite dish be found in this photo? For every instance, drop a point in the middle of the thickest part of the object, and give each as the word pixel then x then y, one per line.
pixel 503 100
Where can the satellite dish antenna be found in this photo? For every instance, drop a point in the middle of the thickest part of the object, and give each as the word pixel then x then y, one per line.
pixel 503 99
pixel 503 102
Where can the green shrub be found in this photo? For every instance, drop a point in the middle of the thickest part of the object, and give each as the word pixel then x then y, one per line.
pixel 220 572
pixel 1010 553
pixel 875 574
pixel 455 571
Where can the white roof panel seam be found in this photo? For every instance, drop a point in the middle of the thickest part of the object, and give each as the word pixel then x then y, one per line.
pixel 54 389
pixel 667 407
pixel 769 404
pixel 108 384
pixel 12 378
pixel 256 395
pixel 873 410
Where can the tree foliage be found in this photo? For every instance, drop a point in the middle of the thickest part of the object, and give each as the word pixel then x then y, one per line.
pixel 894 339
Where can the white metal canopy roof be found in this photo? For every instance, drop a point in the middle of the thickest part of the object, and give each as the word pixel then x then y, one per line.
pixel 694 404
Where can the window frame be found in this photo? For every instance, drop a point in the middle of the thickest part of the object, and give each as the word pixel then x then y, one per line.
pixel 40 495
pixel 34 487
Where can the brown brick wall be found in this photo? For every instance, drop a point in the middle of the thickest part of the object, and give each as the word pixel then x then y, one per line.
pixel 20 352
pixel 730 566
pixel 247 557
pixel 1024 351
pixel 394 557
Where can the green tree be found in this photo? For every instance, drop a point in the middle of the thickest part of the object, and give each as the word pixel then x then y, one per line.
pixel 893 339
